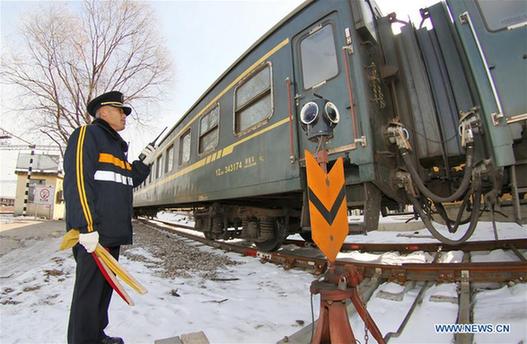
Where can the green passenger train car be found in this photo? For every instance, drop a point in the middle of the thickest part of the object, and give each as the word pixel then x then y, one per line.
pixel 424 117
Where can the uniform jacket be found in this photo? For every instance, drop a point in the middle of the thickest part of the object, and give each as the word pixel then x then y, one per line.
pixel 98 183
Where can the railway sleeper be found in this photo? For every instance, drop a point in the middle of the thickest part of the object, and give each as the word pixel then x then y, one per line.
pixel 266 228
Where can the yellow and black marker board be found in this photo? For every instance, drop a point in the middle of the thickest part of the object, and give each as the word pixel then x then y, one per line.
pixel 327 206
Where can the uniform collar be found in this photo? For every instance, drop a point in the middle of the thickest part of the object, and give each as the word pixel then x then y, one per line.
pixel 115 135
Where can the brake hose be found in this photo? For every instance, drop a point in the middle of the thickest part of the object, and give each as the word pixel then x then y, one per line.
pixel 416 179
pixel 453 224
pixel 471 227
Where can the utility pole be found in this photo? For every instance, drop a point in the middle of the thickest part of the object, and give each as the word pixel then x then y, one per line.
pixel 28 180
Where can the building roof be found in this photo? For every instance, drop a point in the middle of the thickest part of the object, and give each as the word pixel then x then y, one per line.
pixel 42 163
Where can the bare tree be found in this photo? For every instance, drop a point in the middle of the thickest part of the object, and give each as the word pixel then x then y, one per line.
pixel 68 58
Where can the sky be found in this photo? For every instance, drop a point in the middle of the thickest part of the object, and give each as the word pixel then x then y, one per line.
pixel 203 37
pixel 256 303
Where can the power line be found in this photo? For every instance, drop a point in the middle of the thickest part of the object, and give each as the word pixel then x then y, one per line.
pixel 22 147
pixel 4 134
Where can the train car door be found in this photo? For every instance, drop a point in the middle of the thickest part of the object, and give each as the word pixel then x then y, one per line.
pixel 493 34
pixel 319 74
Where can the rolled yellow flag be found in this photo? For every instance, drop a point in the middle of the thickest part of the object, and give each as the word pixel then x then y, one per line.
pixel 71 238
pixel 113 264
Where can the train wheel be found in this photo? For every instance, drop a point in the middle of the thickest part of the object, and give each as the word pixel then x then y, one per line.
pixel 280 233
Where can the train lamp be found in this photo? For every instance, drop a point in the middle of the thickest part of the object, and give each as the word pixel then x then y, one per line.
pixel 319 117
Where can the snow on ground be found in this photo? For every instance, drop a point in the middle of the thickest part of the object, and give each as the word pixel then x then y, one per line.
pixel 254 303
pixel 506 230
pixel 261 305
pixel 390 258
pixel 390 314
pixel 507 305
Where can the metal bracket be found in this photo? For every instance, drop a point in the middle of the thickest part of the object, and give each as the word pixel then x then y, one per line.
pixel 348 49
pixel 362 141
pixel 347 33
pixel 496 118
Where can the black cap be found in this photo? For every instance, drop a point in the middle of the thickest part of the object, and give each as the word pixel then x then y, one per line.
pixel 113 98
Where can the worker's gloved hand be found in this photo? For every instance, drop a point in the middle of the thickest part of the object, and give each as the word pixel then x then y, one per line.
pixel 89 241
pixel 147 155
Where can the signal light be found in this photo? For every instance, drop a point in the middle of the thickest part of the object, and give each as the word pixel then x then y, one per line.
pixel 332 113
pixel 309 113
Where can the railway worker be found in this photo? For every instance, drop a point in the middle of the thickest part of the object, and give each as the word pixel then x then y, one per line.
pixel 98 184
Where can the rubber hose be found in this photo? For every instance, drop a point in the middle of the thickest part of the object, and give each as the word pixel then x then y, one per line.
pixel 458 221
pixel 426 192
pixel 471 227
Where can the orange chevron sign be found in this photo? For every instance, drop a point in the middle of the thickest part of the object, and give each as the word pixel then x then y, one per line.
pixel 327 206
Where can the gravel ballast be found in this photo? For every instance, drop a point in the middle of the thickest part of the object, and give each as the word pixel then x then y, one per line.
pixel 174 255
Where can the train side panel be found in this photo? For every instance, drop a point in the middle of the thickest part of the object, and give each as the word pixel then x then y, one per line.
pixel 495 50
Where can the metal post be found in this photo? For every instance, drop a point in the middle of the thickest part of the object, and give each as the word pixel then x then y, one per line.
pixel 30 167
pixel 338 286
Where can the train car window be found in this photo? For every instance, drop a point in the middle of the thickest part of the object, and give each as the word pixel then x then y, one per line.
pixel 208 130
pixel 319 57
pixel 499 15
pixel 184 148
pixel 159 166
pixel 151 174
pixel 169 159
pixel 253 100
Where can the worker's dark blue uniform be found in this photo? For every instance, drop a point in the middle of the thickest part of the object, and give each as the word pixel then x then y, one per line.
pixel 98 185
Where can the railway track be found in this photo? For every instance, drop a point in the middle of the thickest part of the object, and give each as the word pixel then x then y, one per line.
pixel 311 258
pixel 512 244
pixel 417 280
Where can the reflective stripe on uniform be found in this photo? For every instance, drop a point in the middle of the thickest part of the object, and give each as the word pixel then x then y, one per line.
pixel 110 176
pixel 111 159
pixel 79 168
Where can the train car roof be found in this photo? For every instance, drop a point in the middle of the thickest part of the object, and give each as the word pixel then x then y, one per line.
pixel 237 61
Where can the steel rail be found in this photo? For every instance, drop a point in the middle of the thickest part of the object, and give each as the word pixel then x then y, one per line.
pixel 483 245
pixel 486 245
pixel 438 272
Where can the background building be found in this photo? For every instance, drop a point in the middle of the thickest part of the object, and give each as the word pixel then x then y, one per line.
pixel 46 174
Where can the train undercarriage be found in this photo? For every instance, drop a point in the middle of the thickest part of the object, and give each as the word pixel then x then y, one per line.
pixel 266 228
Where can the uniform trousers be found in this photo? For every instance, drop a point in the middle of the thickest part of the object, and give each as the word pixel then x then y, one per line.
pixel 91 298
